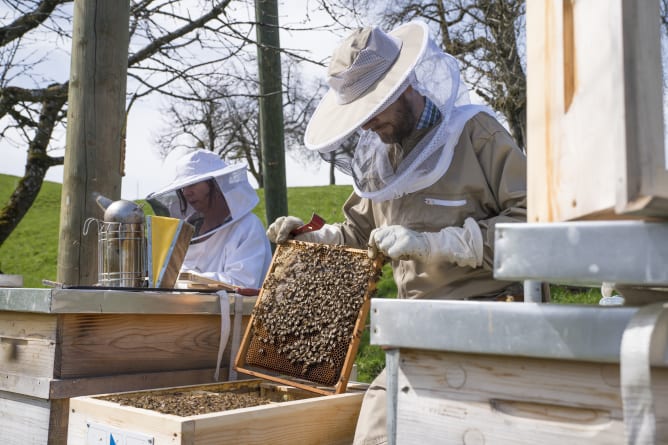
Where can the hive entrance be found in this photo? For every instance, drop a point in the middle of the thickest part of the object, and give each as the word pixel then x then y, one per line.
pixel 309 316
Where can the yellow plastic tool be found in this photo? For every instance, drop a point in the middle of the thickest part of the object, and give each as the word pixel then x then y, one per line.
pixel 168 240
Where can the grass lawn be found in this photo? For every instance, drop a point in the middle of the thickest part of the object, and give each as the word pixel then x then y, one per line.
pixel 31 250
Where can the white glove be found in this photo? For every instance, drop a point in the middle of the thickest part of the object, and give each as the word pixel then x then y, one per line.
pixel 279 232
pixel 460 245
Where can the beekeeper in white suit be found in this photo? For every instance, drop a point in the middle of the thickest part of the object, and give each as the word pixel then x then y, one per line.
pixel 432 175
pixel 229 243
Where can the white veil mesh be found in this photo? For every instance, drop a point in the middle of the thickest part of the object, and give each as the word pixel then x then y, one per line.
pixel 437 77
pixel 241 198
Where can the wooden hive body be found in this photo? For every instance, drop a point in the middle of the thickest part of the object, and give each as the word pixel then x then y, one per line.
pixel 293 417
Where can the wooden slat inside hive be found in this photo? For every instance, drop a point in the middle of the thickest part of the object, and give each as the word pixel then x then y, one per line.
pixel 309 317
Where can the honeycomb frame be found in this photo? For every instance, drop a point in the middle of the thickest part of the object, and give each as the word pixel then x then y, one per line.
pixel 309 316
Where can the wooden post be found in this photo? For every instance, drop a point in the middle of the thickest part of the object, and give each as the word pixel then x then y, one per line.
pixel 95 120
pixel 271 109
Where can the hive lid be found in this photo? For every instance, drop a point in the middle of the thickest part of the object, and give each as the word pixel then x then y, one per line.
pixel 309 317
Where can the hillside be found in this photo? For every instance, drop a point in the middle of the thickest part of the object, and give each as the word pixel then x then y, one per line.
pixel 32 248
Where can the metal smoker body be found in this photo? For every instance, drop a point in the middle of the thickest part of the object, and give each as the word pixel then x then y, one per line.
pixel 121 244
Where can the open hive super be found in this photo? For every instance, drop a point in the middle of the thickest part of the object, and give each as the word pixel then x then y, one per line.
pixel 310 314
pixel 190 401
pixel 249 412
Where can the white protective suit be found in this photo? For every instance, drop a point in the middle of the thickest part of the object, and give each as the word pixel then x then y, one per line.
pixel 237 252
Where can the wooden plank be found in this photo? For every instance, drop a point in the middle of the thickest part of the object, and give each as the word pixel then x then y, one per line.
pixel 27 343
pixel 646 189
pixel 131 382
pixel 108 344
pixel 7 280
pixel 24 384
pixel 47 388
pixel 189 280
pixel 559 169
pixel 515 378
pixel 321 420
pixel 27 325
pixel 164 428
pixel 481 422
pixel 594 125
pixel 511 400
pixel 58 418
pixel 23 420
pixel 27 356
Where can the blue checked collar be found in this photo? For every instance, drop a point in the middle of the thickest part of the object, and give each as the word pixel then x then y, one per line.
pixel 430 115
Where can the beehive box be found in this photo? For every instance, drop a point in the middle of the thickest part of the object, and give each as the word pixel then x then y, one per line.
pixel 56 344
pixel 508 400
pixel 462 372
pixel 291 416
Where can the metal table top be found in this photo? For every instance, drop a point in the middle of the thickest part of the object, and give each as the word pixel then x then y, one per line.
pixel 61 301
pixel 586 252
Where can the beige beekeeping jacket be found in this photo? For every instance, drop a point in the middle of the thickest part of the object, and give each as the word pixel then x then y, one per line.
pixel 486 180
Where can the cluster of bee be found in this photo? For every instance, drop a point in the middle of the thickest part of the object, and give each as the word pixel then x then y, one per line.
pixel 310 304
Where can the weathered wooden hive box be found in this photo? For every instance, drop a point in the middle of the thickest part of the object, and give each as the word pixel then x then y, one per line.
pixel 61 343
pixel 300 342
pixel 507 373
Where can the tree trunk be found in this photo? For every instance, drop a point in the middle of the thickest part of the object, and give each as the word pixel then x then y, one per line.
pixel 37 164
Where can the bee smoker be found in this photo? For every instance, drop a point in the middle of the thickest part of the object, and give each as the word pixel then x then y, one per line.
pixel 121 244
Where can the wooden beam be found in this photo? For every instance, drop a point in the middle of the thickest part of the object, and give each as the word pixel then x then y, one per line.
pixel 95 123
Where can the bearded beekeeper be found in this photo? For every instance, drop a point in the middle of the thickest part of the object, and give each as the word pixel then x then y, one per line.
pixel 432 175
pixel 229 243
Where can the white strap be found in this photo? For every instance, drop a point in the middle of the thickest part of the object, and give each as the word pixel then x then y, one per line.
pixel 236 332
pixel 224 300
pixel 643 343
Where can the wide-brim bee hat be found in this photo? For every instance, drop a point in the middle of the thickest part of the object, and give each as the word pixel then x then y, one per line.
pixel 367 72
pixel 198 166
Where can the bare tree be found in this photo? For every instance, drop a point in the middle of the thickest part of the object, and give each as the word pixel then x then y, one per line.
pixel 486 36
pixel 173 44
pixel 223 118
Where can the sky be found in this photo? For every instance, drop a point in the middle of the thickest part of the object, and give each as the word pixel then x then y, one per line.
pixel 143 172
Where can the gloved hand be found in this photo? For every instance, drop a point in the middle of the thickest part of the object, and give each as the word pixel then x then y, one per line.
pixel 460 245
pixel 279 232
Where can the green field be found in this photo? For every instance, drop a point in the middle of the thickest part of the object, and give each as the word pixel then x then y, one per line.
pixel 31 250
